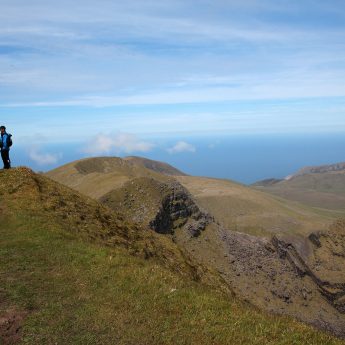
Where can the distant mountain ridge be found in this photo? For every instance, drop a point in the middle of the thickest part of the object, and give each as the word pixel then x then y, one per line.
pixel 267 182
pixel 322 187
pixel 321 169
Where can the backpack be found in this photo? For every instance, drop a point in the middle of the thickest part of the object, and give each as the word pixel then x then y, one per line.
pixel 9 140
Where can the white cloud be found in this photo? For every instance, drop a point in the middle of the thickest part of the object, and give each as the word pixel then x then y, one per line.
pixel 112 55
pixel 130 143
pixel 230 39
pixel 281 86
pixel 181 146
pixel 44 158
pixel 122 142
pixel 100 144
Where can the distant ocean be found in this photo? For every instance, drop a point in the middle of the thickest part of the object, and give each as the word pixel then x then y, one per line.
pixel 244 158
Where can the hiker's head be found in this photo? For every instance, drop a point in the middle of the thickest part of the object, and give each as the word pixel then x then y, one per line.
pixel 2 129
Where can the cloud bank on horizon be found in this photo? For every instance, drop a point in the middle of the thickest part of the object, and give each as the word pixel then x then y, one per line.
pixel 73 69
pixel 43 159
pixel 181 146
pixel 116 144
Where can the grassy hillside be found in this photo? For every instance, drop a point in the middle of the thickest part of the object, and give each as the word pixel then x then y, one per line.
pixel 157 166
pixel 244 235
pixel 319 187
pixel 67 276
pixel 141 194
pixel 235 206
pixel 238 207
pixel 96 177
pixel 61 206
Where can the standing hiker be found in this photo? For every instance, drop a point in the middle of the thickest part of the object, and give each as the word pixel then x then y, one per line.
pixel 5 144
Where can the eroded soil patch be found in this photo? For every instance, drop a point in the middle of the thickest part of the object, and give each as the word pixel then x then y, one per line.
pixel 11 321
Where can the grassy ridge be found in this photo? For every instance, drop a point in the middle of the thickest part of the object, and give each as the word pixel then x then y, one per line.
pixel 247 210
pixel 235 206
pixel 77 292
pixel 324 190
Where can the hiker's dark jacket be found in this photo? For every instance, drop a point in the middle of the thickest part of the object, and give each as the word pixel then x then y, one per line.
pixel 4 141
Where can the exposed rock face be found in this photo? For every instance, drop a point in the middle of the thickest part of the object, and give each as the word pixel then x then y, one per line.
pixel 178 210
pixel 313 266
pixel 292 275
pixel 164 207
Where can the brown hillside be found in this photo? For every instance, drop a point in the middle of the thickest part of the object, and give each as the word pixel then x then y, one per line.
pixel 157 166
pixel 22 189
pixel 269 251
pixel 322 188
pixel 67 276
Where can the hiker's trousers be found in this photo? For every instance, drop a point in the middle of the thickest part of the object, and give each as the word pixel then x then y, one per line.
pixel 5 155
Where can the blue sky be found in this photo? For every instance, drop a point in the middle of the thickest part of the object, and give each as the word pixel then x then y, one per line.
pixel 122 74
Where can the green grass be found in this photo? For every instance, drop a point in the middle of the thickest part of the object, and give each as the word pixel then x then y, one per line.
pixel 81 293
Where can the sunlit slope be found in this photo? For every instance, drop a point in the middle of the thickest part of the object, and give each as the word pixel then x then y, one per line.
pixel 245 209
pixel 319 187
pixel 98 176
pixel 39 197
pixel 235 206
pixel 157 166
pixel 213 222
pixel 142 195
pixel 67 276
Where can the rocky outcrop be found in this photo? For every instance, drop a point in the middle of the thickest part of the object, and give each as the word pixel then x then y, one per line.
pixel 163 206
pixel 178 210
pixel 298 276
pixel 324 263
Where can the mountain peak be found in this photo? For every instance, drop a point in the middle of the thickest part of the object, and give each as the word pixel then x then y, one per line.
pixel 156 166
